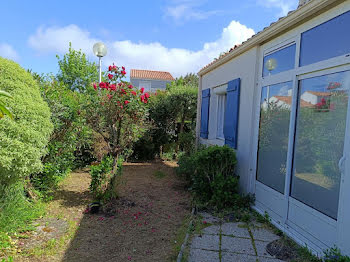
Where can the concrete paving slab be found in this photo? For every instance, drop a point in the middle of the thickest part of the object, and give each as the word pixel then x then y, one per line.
pixel 263 234
pixel 261 249
pixel 215 229
pixel 199 255
pixel 266 259
pixel 232 257
pixel 235 229
pixel 209 218
pixel 206 242
pixel 237 245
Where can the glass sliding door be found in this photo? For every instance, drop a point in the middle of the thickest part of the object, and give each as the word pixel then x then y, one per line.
pixel 319 141
pixel 275 108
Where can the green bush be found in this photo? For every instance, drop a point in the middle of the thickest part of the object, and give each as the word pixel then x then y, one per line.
pixel 71 138
pixel 211 175
pixel 22 140
pixel 103 179
pixel 334 255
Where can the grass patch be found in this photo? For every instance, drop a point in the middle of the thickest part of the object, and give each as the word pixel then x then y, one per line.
pixel 159 174
pixel 16 213
pixel 180 237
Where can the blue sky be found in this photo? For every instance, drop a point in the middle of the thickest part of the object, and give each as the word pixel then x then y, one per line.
pixel 178 36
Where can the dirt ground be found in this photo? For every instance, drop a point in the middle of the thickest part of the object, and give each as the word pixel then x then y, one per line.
pixel 140 226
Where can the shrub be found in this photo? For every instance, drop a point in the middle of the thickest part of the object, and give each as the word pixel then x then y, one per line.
pixel 102 178
pixel 71 135
pixel 22 140
pixel 211 175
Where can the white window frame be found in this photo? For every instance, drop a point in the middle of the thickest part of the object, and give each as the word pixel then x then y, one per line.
pixel 221 110
pixel 333 65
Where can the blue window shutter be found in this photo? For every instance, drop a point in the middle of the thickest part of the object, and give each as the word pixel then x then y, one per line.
pixel 205 113
pixel 232 112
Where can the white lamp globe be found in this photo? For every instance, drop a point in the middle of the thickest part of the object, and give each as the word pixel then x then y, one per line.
pixel 99 49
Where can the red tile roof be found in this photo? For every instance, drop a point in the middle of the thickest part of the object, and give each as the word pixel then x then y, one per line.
pixel 288 100
pixel 222 55
pixel 320 93
pixel 148 74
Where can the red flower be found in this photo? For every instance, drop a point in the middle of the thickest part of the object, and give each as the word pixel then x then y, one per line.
pixel 126 102
pixel 110 68
pixel 323 101
pixel 130 86
pixel 133 92
pixel 103 85
pixel 123 68
pixel 123 91
pixel 95 86
pixel 123 72
pixel 112 87
pixel 142 97
pixel 110 76
pixel 147 95
pixel 142 90
pixel 109 96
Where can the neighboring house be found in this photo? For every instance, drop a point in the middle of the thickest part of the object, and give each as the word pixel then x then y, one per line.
pixel 150 80
pixel 297 164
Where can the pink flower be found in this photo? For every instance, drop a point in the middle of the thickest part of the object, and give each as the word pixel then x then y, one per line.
pixel 123 68
pixel 204 222
pixel 142 97
pixel 147 95
pixel 129 258
pixel 133 92
pixel 130 86
pixel 123 72
pixel 95 86
pixel 103 85
pixel 109 96
pixel 126 102
pixel 110 76
pixel 142 90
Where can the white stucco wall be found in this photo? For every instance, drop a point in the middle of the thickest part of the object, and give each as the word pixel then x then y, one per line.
pixel 243 67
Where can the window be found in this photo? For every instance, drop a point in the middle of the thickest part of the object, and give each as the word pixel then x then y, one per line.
pixel 319 144
pixel 275 104
pixel 279 61
pixel 221 116
pixel 328 40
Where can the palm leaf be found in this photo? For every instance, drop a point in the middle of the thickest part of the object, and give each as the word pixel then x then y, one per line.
pixel 4 93
pixel 4 110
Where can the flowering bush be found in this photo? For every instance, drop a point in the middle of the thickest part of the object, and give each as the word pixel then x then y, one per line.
pixel 117 111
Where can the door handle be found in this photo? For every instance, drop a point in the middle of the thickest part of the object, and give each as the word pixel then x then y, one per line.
pixel 341 164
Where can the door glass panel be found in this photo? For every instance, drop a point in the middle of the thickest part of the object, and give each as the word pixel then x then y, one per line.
pixel 279 61
pixel 325 41
pixel 319 141
pixel 275 108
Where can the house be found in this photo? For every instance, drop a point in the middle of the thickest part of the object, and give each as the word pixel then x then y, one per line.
pixel 297 160
pixel 150 80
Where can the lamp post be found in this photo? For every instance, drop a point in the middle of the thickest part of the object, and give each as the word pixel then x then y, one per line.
pixel 100 50
pixel 270 64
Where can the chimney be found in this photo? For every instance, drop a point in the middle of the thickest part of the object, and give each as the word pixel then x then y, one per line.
pixel 303 2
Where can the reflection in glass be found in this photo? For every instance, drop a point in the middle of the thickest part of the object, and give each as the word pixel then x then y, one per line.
pixel 319 143
pixel 279 61
pixel 328 40
pixel 276 103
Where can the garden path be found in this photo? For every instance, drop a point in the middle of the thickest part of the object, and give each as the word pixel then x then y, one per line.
pixel 140 226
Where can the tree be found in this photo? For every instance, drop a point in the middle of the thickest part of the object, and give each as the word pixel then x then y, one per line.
pixel 118 112
pixel 76 71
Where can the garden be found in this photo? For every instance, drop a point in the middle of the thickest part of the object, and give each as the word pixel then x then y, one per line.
pixel 90 170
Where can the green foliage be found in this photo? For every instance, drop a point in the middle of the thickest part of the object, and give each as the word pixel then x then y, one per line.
pixel 102 178
pixel 211 174
pixel 22 141
pixel 172 114
pixel 334 255
pixel 76 72
pixel 3 109
pixel 71 133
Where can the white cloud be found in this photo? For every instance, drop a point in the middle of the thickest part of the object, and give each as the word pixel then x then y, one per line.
pixel 185 12
pixel 8 51
pixel 182 11
pixel 151 56
pixel 284 6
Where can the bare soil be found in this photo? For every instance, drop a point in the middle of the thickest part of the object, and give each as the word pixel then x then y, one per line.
pixel 141 225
